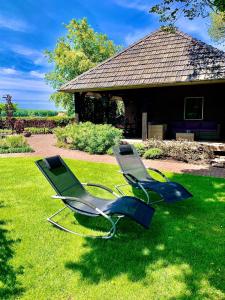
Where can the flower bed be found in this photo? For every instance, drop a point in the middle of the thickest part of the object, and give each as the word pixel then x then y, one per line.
pixel 14 144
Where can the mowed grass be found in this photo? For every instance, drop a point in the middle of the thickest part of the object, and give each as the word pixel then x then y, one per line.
pixel 181 256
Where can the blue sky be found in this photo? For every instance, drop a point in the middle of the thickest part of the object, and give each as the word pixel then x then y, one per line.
pixel 28 27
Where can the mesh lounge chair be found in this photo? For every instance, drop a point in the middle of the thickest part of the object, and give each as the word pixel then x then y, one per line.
pixel 75 197
pixel 137 176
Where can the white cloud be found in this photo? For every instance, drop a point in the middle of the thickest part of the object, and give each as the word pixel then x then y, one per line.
pixel 136 35
pixel 8 71
pixel 135 4
pixel 37 74
pixel 13 24
pixel 36 56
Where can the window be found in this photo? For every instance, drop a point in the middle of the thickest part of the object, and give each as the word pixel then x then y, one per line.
pixel 193 108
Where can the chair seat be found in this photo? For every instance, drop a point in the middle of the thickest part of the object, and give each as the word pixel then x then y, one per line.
pixel 127 206
pixel 169 191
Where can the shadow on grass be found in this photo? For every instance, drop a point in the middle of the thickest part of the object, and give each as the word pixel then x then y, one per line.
pixel 185 244
pixel 10 288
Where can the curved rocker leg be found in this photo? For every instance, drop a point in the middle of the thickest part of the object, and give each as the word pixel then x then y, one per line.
pixel 108 235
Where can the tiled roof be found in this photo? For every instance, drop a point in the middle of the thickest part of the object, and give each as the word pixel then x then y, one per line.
pixel 159 58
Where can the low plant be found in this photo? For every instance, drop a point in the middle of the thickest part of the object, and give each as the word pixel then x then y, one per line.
pixel 13 144
pixel 153 153
pixel 182 150
pixel 141 148
pixel 37 130
pixel 89 137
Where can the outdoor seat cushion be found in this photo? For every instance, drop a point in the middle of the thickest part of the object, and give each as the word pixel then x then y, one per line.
pixel 53 162
pixel 126 150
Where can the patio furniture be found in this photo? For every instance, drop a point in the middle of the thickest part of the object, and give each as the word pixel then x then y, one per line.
pixel 76 198
pixel 187 136
pixel 137 176
pixel 156 131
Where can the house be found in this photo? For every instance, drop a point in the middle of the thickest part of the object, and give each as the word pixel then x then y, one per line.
pixel 170 84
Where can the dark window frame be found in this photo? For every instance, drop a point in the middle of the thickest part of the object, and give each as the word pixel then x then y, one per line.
pixel 202 113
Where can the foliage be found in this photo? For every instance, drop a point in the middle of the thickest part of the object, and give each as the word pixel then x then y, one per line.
pixel 79 50
pixel 9 110
pixel 38 130
pixel 14 144
pixel 110 151
pixel 153 153
pixel 170 10
pixel 89 137
pixel 165 262
pixel 217 27
pixel 5 131
pixel 19 126
pixel 34 113
pixel 140 147
pixel 182 150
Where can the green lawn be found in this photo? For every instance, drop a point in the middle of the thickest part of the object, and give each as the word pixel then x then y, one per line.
pixel 181 256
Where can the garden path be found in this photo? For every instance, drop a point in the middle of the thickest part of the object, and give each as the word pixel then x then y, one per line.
pixel 44 145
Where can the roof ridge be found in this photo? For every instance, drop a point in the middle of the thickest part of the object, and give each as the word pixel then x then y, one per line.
pixel 191 38
pixel 110 58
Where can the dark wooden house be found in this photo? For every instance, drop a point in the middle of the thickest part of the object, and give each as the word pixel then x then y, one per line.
pixel 167 79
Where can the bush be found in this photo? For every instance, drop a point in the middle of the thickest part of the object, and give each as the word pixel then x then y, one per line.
pixel 5 131
pixel 36 130
pixel 182 150
pixel 19 126
pixel 13 144
pixel 110 151
pixel 153 153
pixel 141 148
pixel 89 137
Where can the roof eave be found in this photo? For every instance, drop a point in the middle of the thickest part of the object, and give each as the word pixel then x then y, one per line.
pixel 113 88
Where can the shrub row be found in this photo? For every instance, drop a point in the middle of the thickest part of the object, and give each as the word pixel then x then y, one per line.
pixel 178 150
pixel 88 137
pixel 49 122
pixel 36 130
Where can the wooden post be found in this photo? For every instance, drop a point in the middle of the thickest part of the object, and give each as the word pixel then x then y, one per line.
pixel 76 99
pixel 144 126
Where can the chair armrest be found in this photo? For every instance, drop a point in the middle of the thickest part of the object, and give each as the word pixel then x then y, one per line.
pixel 159 172
pixel 101 187
pixel 130 177
pixel 85 203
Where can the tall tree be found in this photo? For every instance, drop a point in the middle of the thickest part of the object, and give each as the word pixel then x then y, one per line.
pixel 170 10
pixel 79 50
pixel 217 27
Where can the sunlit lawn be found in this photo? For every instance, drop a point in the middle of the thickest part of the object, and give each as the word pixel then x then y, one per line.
pixel 182 255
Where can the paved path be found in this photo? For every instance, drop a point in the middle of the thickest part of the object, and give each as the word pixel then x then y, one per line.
pixel 44 145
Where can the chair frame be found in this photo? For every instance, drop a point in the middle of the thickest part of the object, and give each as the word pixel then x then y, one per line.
pixel 113 223
pixel 131 178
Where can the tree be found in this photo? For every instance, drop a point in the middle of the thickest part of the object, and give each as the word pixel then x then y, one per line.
pixel 170 10
pixel 79 50
pixel 217 27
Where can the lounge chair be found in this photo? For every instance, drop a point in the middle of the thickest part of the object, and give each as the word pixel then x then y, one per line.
pixel 138 177
pixel 75 197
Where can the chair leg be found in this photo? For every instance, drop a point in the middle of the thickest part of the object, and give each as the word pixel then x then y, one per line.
pixel 108 235
pixel 118 188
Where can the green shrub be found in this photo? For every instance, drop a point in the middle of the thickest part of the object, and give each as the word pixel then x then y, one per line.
pixel 36 130
pixel 153 153
pixel 89 137
pixel 13 144
pixel 110 151
pixel 140 147
pixel 5 131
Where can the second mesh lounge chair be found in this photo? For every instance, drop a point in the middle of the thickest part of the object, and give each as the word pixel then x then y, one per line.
pixel 75 197
pixel 137 176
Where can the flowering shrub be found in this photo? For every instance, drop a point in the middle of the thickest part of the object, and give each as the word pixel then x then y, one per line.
pixel 89 137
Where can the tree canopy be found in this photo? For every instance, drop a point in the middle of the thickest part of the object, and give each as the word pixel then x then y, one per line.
pixel 79 50
pixel 217 27
pixel 170 10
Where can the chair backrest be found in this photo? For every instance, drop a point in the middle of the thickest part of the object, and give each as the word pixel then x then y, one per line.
pixel 130 161
pixel 60 177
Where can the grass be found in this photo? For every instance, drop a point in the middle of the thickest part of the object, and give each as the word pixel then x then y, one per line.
pixel 180 257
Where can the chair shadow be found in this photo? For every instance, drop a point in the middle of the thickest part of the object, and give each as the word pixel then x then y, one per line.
pixel 181 237
pixel 10 286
